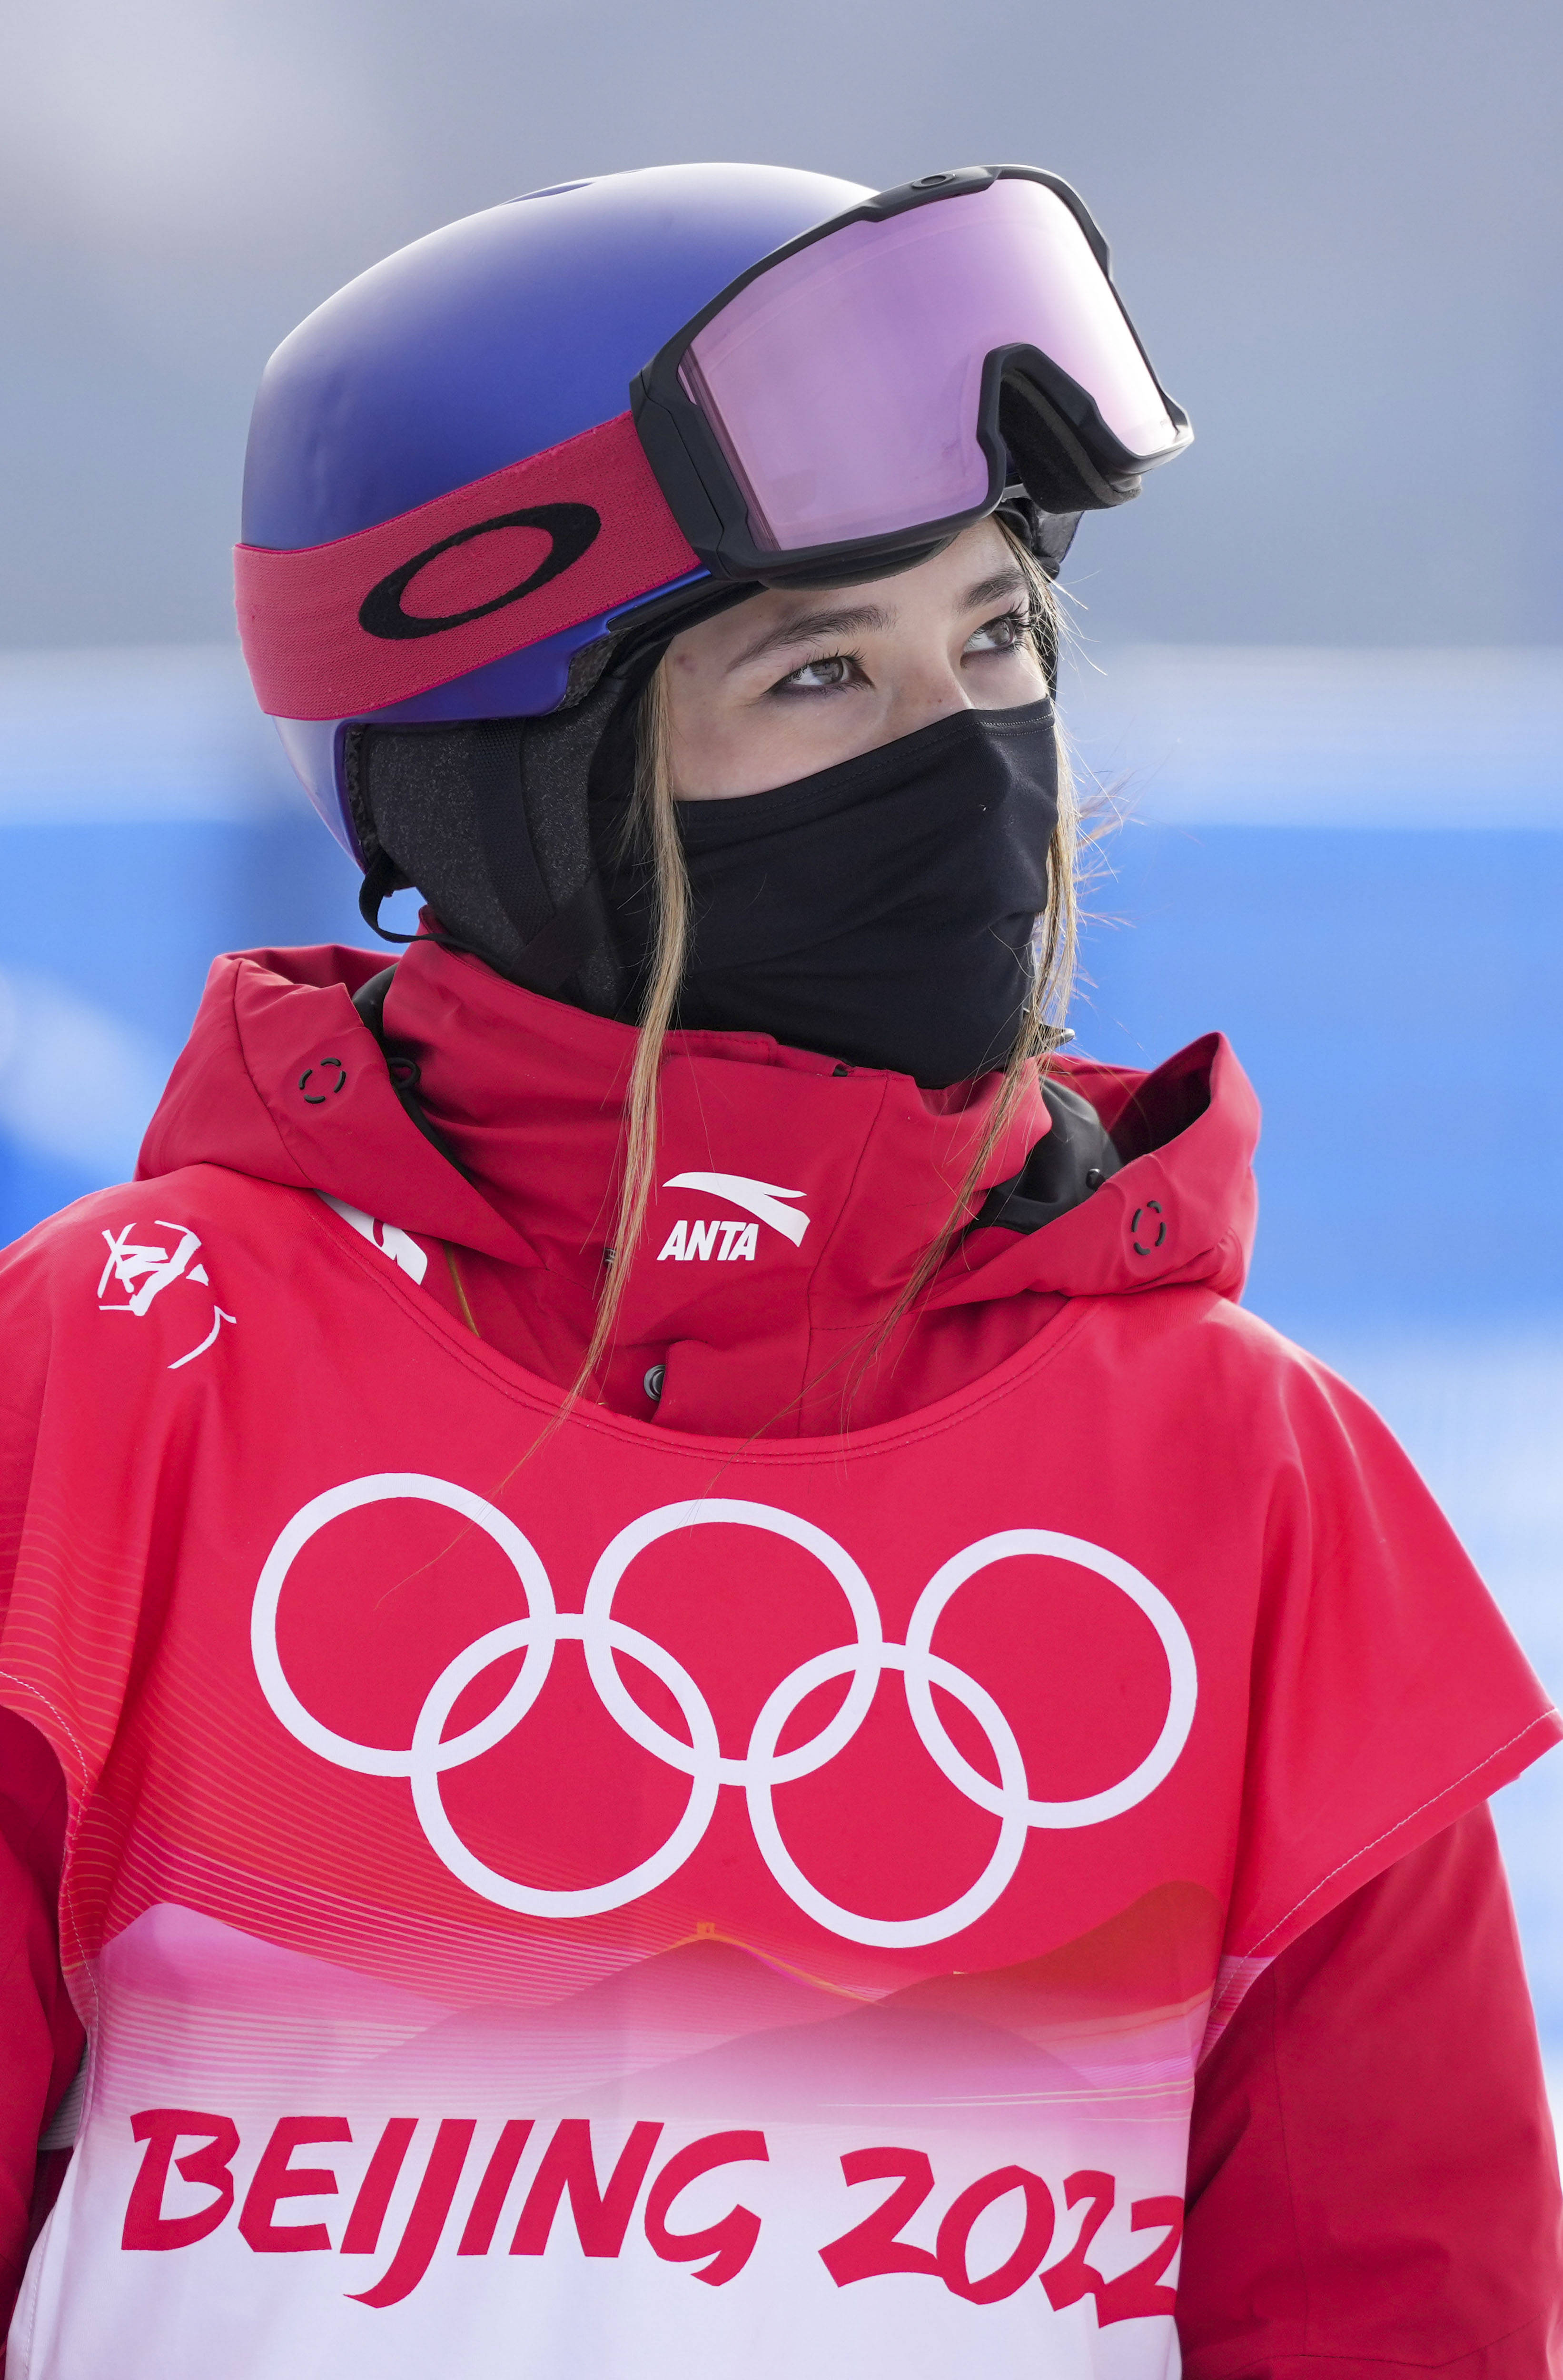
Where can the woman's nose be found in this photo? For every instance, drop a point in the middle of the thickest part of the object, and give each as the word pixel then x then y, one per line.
pixel 924 694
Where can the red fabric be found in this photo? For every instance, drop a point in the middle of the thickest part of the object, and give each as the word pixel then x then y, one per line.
pixel 529 1093
pixel 41 2035
pixel 239 1085
pixel 1373 2178
pixel 217 1845
pixel 1357 1694
pixel 309 655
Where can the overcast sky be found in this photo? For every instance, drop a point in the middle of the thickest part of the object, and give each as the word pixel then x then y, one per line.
pixel 1336 226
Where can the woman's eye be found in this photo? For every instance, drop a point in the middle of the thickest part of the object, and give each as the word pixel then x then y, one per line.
pixel 1005 635
pixel 832 670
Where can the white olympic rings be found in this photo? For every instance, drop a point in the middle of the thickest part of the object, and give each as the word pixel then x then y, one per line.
pixel 763 1767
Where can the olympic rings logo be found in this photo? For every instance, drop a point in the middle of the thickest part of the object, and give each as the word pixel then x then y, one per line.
pixel 763 1767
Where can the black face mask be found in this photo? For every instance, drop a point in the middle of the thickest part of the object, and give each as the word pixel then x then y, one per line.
pixel 879 912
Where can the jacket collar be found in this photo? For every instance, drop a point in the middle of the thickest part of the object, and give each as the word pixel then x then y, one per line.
pixel 781 1175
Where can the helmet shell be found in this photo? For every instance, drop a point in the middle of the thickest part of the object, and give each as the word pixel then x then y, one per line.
pixel 492 340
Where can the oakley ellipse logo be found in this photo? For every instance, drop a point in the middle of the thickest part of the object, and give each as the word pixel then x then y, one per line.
pixel 573 528
pixel 606 1641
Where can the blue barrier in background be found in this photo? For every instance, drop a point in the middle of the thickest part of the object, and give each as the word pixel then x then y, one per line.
pixel 1351 863
pixel 1394 995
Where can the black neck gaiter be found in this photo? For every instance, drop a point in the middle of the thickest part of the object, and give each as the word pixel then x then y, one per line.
pixel 879 912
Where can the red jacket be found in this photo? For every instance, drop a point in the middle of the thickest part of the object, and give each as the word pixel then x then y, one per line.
pixel 1337 2209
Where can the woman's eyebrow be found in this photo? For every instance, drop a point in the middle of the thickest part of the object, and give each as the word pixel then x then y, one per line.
pixel 811 625
pixel 846 620
pixel 1003 583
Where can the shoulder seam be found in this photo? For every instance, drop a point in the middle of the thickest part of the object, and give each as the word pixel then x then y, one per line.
pixel 1256 1950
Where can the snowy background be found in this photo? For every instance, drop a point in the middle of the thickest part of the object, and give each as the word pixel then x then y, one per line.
pixel 1322 658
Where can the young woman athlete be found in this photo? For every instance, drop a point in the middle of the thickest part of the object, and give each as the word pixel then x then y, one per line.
pixel 682 1694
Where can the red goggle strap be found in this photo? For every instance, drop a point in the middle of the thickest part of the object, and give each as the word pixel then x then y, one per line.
pixel 503 563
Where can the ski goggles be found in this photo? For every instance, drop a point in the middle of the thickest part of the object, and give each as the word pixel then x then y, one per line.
pixel 842 409
pixel 858 397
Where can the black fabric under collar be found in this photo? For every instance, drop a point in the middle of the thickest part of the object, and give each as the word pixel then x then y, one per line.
pixel 1071 1161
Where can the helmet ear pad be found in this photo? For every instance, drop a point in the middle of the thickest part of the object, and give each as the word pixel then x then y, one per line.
pixel 490 821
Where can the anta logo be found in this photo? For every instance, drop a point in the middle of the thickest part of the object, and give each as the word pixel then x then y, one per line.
pixel 727 1240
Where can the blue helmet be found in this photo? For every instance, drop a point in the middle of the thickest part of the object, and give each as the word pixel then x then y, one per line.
pixel 488 480
pixel 498 339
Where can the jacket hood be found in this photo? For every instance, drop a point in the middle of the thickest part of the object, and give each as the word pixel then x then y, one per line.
pixel 1182 1208
pixel 836 1178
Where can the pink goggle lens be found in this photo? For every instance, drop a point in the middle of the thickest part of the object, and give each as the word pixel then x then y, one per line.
pixel 844 383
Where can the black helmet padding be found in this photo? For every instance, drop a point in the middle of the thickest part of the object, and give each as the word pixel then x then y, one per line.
pixel 489 822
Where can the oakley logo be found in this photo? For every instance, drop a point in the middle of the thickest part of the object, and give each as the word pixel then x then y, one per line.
pixel 763 1199
pixel 1002 1789
pixel 571 528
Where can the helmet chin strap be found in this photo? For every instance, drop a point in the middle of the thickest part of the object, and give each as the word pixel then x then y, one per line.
pixel 382 878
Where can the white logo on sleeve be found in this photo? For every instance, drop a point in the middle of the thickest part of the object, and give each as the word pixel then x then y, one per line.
pixel 729 1241
pixel 141 1271
pixel 144 1270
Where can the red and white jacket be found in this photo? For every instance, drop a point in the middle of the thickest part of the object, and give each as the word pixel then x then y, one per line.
pixel 695 1888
